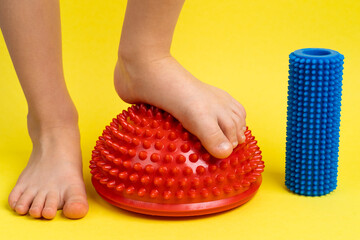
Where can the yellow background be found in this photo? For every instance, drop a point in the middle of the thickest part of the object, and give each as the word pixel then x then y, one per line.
pixel 239 46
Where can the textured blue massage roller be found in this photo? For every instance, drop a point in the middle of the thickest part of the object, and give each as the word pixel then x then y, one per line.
pixel 313 121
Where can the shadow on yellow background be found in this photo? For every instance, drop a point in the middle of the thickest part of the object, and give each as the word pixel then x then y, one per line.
pixel 239 46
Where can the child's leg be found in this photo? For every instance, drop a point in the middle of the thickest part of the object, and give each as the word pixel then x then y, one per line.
pixel 146 72
pixel 52 178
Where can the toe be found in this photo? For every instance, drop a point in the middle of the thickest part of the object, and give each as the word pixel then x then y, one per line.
pixel 37 205
pixel 14 196
pixel 239 109
pixel 76 205
pixel 211 137
pixel 239 116
pixel 228 126
pixel 240 127
pixel 51 205
pixel 23 204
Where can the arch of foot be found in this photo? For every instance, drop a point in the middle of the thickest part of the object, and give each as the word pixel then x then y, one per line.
pixel 145 154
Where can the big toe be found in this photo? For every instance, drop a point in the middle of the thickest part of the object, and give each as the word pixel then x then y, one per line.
pixel 75 205
pixel 212 138
pixel 75 209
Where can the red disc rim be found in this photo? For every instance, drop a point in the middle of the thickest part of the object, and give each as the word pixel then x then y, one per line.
pixel 177 210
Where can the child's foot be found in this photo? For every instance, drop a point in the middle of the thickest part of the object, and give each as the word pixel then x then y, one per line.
pixel 52 179
pixel 216 118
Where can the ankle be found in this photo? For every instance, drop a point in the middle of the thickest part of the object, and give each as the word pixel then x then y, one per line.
pixel 132 55
pixel 44 124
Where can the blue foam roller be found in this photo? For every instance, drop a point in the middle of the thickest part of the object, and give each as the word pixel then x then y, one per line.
pixel 313 121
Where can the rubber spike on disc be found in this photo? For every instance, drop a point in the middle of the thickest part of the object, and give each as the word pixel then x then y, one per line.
pixel 146 162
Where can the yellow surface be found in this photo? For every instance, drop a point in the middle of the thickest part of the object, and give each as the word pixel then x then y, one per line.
pixel 240 46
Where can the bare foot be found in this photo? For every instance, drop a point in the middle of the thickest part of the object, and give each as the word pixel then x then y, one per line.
pixel 52 179
pixel 211 114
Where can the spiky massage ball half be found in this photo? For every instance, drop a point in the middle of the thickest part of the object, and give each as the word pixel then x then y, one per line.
pixel 146 162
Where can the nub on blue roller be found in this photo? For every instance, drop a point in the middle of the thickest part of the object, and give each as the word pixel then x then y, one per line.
pixel 313 121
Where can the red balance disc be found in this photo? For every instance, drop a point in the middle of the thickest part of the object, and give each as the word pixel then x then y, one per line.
pixel 146 162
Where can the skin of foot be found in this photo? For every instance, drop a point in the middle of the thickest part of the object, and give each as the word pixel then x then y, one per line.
pixel 53 178
pixel 216 118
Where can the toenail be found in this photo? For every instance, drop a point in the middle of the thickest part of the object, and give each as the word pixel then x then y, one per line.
pixel 235 144
pixel 224 146
pixel 244 129
pixel 13 205
pixel 19 208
